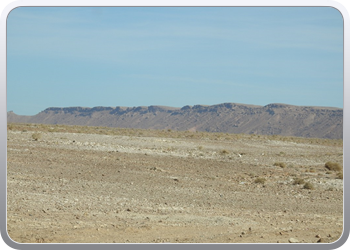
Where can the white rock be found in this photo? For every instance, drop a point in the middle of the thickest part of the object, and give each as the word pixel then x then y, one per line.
pixel 292 240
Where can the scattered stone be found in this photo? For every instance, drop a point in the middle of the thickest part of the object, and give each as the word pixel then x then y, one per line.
pixel 293 240
pixel 156 193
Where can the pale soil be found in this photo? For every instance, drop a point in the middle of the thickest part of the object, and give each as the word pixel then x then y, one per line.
pixel 74 187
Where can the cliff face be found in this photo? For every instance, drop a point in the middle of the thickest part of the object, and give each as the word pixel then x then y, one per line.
pixel 281 119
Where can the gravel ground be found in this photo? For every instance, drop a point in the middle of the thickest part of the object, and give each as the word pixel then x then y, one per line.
pixel 76 187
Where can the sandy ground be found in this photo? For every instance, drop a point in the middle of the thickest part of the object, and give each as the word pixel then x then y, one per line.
pixel 75 187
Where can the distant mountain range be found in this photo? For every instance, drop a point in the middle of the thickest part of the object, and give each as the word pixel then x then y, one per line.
pixel 279 119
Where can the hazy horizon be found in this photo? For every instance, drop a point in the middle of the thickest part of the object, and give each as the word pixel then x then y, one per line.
pixel 173 56
pixel 157 105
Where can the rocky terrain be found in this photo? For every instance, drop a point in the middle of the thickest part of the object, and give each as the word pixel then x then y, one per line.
pixel 272 119
pixel 95 184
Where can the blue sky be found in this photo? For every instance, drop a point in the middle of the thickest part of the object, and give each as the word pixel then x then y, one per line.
pixel 80 56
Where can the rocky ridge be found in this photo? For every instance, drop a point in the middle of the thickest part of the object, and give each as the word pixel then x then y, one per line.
pixel 279 119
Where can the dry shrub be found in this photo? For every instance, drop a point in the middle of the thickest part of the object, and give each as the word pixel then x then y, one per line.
pixel 340 175
pixel 36 136
pixel 334 166
pixel 280 164
pixel 260 180
pixel 309 185
pixel 223 152
pixel 298 181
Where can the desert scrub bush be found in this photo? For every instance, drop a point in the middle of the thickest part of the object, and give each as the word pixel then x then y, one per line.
pixel 224 152
pixel 309 185
pixel 298 181
pixel 339 175
pixel 36 136
pixel 9 126
pixel 260 180
pixel 333 166
pixel 280 164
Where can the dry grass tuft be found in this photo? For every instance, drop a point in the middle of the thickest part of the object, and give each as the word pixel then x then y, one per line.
pixel 36 136
pixel 334 166
pixel 260 180
pixel 298 181
pixel 224 152
pixel 309 185
pixel 280 164
pixel 340 176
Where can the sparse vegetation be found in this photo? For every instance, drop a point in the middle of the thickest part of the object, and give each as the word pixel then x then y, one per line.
pixel 217 173
pixel 333 166
pixel 280 164
pixel 260 180
pixel 309 185
pixel 298 181
pixel 224 152
pixel 251 174
pixel 165 133
pixel 36 136
pixel 340 175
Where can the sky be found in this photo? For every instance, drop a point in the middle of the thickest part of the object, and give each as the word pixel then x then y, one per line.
pixel 173 56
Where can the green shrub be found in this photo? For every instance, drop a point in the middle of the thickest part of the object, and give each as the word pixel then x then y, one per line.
pixel 334 166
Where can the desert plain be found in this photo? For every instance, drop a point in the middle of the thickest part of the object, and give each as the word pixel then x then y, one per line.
pixel 79 184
